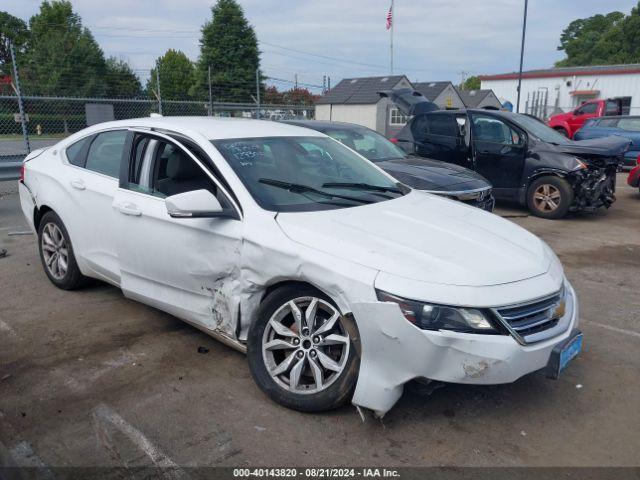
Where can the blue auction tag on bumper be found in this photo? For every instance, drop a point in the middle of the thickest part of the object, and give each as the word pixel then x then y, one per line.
pixel 570 351
pixel 563 353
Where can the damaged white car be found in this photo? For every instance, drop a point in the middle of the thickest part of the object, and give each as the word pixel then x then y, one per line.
pixel 339 282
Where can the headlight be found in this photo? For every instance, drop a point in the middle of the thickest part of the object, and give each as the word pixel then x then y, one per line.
pixel 428 316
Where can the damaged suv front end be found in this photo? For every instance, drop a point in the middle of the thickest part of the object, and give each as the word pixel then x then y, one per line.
pixel 590 168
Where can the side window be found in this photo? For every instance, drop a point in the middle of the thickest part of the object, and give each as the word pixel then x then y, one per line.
pixel 174 172
pixel 442 124
pixel 605 122
pixel 419 127
pixel 105 153
pixel 587 108
pixel 76 152
pixel 611 108
pixel 493 130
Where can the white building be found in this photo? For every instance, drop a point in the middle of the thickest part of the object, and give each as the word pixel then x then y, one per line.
pixel 555 90
pixel 356 100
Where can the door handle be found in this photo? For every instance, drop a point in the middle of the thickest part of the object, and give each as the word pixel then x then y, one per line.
pixel 129 209
pixel 78 184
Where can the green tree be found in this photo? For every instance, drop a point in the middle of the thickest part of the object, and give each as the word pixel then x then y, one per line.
pixel 121 81
pixel 176 76
pixel 230 47
pixel 471 83
pixel 62 57
pixel 602 40
pixel 12 30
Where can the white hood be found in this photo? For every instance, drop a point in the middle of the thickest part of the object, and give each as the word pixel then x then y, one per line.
pixel 426 238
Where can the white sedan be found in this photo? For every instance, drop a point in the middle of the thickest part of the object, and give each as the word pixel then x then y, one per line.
pixel 339 282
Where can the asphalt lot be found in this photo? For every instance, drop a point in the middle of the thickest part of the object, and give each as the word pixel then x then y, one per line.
pixel 90 378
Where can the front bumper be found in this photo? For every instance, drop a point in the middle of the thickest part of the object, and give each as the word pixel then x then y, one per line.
pixel 395 352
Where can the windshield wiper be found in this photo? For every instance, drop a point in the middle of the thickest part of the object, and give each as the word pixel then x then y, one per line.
pixel 302 189
pixel 362 186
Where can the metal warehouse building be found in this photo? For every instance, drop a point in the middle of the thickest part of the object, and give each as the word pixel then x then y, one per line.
pixel 555 90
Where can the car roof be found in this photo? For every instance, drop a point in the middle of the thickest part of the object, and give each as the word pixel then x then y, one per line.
pixel 213 128
pixel 322 125
pixel 616 117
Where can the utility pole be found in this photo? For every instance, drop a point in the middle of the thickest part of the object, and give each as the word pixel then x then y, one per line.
pixel 210 95
pixel 158 86
pixel 296 81
pixel 463 77
pixel 23 119
pixel 324 84
pixel 328 84
pixel 258 92
pixel 524 30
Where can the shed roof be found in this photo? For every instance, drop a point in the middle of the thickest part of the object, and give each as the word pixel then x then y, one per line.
pixel 472 98
pixel 361 90
pixel 431 90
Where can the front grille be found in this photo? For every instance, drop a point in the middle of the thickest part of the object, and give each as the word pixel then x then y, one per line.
pixel 531 318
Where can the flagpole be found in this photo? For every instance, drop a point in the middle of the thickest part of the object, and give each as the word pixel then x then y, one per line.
pixel 393 21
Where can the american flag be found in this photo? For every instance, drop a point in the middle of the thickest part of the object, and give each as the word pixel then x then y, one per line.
pixel 390 17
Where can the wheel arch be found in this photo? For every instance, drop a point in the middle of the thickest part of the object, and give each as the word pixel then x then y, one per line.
pixel 344 310
pixel 39 212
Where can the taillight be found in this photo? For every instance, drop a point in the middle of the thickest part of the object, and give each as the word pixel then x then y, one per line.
pixel 21 179
pixel 395 140
pixel 638 160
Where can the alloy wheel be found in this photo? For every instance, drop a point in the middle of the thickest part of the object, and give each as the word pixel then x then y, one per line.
pixel 305 346
pixel 55 251
pixel 546 198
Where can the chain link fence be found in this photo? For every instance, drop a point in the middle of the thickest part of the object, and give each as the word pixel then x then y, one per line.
pixel 47 119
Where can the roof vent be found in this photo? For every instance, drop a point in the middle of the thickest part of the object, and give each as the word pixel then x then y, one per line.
pixel 432 84
pixel 384 79
pixel 354 80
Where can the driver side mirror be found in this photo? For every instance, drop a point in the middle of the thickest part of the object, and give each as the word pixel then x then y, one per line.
pixel 196 204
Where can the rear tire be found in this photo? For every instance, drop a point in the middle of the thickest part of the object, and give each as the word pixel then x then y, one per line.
pixel 549 197
pixel 310 365
pixel 56 253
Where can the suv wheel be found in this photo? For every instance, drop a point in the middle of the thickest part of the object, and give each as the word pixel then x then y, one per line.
pixel 549 197
pixel 302 351
pixel 562 131
pixel 56 253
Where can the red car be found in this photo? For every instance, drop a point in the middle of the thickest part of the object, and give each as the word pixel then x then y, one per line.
pixel 634 176
pixel 570 122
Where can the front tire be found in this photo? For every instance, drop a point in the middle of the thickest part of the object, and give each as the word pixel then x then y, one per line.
pixel 549 197
pixel 56 253
pixel 302 352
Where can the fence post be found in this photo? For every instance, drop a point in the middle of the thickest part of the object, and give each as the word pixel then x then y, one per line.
pixel 158 85
pixel 23 120
pixel 258 92
pixel 210 96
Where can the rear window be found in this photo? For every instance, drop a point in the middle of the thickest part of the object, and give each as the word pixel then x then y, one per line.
pixel 105 153
pixel 605 122
pixel 444 125
pixel 631 124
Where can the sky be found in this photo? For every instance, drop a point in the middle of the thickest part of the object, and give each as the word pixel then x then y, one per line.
pixel 433 39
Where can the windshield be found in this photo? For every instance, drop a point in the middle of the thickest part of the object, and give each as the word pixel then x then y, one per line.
pixel 367 143
pixel 540 130
pixel 286 174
